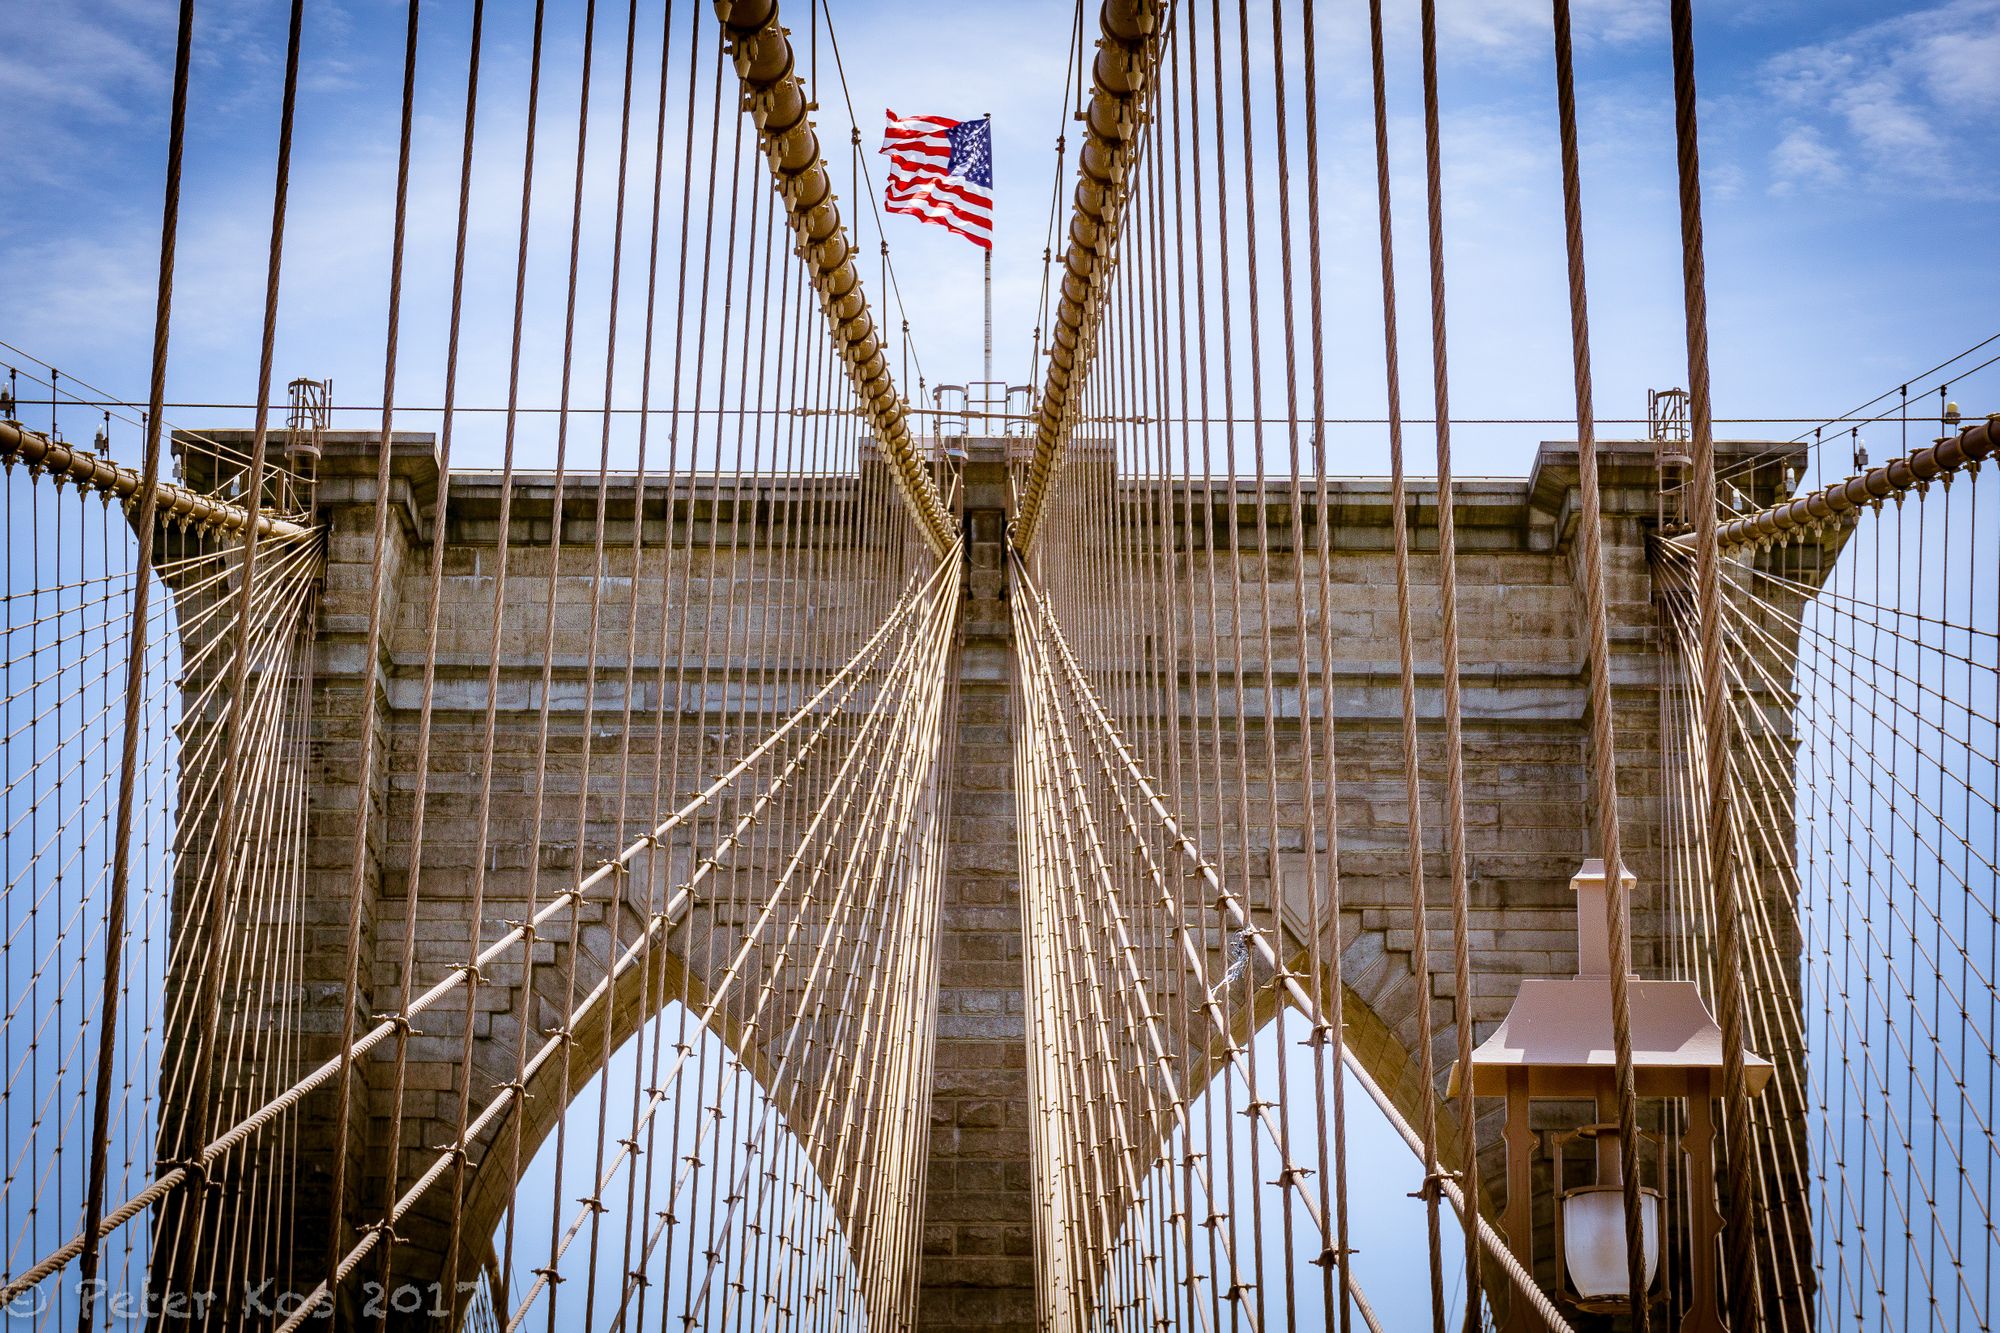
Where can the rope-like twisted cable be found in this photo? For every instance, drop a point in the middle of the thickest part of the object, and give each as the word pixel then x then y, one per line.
pixel 1603 747
pixel 1741 1265
pixel 1121 78
pixel 775 96
pixel 146 489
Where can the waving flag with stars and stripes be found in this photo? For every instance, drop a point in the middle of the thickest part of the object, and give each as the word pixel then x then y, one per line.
pixel 941 171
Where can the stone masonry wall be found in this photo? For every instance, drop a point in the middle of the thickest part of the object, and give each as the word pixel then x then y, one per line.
pixel 978 1242
pixel 1527 801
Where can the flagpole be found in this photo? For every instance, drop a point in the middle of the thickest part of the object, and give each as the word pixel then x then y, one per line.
pixel 989 272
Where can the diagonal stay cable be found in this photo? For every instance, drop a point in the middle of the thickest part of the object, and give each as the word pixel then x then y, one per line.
pixel 827 702
pixel 1496 1246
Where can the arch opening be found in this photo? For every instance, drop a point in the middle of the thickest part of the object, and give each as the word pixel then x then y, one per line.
pixel 1265 1245
pixel 710 1210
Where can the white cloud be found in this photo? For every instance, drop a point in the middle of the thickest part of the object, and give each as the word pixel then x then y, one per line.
pixel 1958 66
pixel 1522 27
pixel 1802 160
pixel 1899 104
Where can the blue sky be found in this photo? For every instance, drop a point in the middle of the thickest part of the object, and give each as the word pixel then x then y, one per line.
pixel 1849 149
pixel 1850 153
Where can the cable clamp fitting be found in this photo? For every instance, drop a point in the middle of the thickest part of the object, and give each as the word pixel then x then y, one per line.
pixel 1433 1187
pixel 1333 1254
pixel 1321 1033
pixel 194 1171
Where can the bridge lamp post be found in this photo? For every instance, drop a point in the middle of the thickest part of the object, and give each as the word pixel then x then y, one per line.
pixel 1556 1043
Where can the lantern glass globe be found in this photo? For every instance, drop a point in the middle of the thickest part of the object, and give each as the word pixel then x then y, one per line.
pixel 1594 1243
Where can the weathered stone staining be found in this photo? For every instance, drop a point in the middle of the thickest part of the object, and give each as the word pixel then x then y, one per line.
pixel 1525 733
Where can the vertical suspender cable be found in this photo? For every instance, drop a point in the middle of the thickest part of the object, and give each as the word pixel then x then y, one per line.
pixel 1327 963
pixel 1720 871
pixel 193 1131
pixel 135 685
pixel 1603 756
pixel 1454 731
pixel 502 545
pixel 420 798
pixel 358 873
pixel 1400 524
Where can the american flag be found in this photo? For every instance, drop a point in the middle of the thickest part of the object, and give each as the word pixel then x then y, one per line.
pixel 941 171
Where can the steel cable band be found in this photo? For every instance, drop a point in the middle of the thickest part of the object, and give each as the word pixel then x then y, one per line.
pixel 776 98
pixel 174 502
pixel 1122 77
pixel 1898 476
